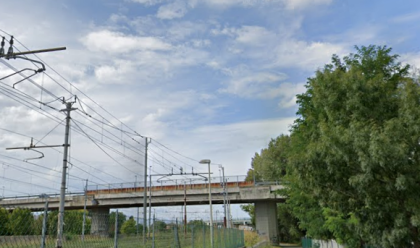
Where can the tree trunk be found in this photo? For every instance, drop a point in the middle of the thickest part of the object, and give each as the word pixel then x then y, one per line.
pixel 415 237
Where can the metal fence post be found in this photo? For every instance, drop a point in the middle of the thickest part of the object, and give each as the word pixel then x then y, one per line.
pixel 44 223
pixel 154 224
pixel 84 214
pixel 192 236
pixel 116 231
pixel 204 235
pixel 176 236
pixel 218 237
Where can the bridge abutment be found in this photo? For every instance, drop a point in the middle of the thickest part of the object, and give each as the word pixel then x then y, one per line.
pixel 266 219
pixel 100 221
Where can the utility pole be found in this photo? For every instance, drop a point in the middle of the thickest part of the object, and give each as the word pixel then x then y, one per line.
pixel 185 210
pixel 137 222
pixel 224 196
pixel 150 201
pixel 12 55
pixel 84 213
pixel 59 242
pixel 147 142
pixel 66 145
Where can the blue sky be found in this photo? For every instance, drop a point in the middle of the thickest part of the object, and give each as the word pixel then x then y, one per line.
pixel 210 79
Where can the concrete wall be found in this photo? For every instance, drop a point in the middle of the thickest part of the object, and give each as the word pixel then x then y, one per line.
pixel 266 220
pixel 100 221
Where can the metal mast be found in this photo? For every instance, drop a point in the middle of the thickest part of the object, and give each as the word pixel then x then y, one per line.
pixel 59 242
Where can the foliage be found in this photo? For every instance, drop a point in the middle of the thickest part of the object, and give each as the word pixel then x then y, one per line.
pixel 356 149
pixel 4 222
pixel 196 223
pixel 250 209
pixel 251 238
pixel 73 222
pixel 129 227
pixel 270 165
pixel 121 219
pixel 159 225
pixel 21 222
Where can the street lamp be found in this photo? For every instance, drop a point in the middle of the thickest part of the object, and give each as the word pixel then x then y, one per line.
pixel 207 161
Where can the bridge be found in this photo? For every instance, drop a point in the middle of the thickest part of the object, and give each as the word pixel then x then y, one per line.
pixel 99 199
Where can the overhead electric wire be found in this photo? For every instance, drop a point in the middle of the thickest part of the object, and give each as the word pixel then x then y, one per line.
pixel 105 145
pixel 100 179
pixel 192 159
pixel 115 141
pixel 23 182
pixel 103 149
pixel 30 80
pixel 73 158
pixel 106 122
pixel 72 85
pixel 41 166
pixel 25 170
pixel 171 161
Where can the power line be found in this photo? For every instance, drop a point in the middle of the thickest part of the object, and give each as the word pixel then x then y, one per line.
pixel 103 149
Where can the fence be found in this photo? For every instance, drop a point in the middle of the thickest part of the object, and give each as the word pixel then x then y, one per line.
pixel 22 228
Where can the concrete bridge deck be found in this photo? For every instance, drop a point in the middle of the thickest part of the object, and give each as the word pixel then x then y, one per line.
pixel 169 195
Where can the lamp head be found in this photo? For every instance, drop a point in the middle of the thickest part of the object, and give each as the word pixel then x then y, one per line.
pixel 205 161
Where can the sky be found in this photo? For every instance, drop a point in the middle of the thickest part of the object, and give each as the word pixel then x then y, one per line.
pixel 204 79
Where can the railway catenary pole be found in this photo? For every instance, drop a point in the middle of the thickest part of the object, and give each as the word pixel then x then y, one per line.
pixel 147 142
pixel 59 242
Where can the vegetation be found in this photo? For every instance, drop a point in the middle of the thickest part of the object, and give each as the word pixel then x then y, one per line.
pixel 270 165
pixel 352 160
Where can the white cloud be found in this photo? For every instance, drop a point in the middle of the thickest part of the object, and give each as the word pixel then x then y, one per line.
pixel 147 2
pixel 412 59
pixel 247 35
pixel 306 55
pixel 173 10
pixel 253 85
pixel 302 4
pixel 115 42
pixel 234 144
pixel 288 4
pixel 410 17
pixel 262 85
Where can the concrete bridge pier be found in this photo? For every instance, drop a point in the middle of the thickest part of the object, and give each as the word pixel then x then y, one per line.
pixel 266 220
pixel 100 221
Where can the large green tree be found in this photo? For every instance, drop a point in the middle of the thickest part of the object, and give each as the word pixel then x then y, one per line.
pixel 356 148
pixel 21 222
pixel 129 227
pixel 121 219
pixel 4 222
pixel 270 165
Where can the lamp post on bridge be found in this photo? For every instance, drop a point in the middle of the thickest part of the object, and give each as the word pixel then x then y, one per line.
pixel 207 161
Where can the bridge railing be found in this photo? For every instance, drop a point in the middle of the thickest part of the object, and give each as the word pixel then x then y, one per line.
pixel 173 184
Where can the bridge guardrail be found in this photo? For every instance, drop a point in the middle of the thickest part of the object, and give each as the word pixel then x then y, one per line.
pixel 190 183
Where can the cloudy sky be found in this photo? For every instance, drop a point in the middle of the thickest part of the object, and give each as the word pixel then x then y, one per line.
pixel 212 79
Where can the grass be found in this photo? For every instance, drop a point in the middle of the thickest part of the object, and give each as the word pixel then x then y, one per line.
pixel 162 239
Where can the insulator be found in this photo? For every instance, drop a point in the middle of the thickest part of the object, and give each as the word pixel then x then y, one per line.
pixel 10 51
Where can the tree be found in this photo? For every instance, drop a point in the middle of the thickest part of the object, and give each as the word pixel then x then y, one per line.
pixel 159 225
pixel 129 227
pixel 196 223
pixel 121 219
pixel 4 222
pixel 270 165
pixel 356 148
pixel 73 221
pixel 21 222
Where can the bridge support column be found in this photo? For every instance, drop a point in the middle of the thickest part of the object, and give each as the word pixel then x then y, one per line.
pixel 266 220
pixel 100 221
